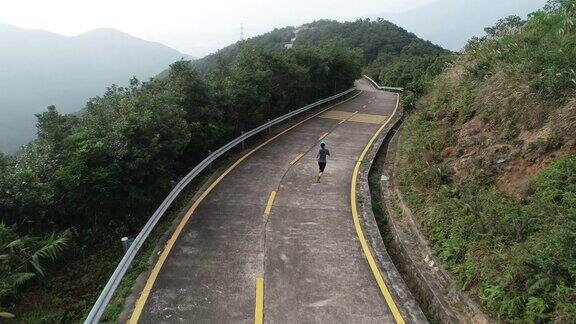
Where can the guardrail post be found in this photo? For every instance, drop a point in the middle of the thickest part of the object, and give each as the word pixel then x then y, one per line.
pixel 126 242
pixel 269 128
pixel 290 118
pixel 242 134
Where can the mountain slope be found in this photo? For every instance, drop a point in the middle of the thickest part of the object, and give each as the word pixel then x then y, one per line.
pixel 39 68
pixel 488 164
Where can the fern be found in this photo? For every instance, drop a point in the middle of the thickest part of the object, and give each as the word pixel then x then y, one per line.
pixel 17 254
pixel 53 247
pixel 35 262
pixel 18 279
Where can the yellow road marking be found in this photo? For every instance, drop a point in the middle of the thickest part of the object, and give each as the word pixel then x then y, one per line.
pixel 365 248
pixel 356 117
pixel 296 159
pixel 369 119
pixel 270 203
pixel 323 136
pixel 172 240
pixel 348 117
pixel 259 309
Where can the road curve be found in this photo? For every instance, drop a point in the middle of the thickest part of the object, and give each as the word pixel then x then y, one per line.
pixel 268 243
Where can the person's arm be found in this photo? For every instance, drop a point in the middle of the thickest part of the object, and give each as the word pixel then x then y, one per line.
pixel 328 152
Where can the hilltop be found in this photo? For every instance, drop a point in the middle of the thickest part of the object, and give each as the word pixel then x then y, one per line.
pixel 379 40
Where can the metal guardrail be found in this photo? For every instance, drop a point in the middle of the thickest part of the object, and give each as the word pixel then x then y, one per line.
pixel 114 281
pixel 393 89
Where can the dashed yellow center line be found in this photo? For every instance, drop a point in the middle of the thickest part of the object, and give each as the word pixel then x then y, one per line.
pixel 323 136
pixel 363 243
pixel 296 159
pixel 259 309
pixel 270 203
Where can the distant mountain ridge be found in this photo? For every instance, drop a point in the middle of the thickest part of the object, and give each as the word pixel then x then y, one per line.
pixel 451 23
pixel 39 68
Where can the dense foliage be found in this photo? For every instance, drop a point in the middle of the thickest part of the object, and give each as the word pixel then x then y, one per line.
pixel 392 56
pixel 515 253
pixel 548 62
pixel 414 74
pixel 380 42
pixel 378 39
pixel 103 170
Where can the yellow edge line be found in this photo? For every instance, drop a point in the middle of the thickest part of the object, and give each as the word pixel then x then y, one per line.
pixel 363 243
pixel 170 243
pixel 298 157
pixel 322 136
pixel 259 309
pixel 270 203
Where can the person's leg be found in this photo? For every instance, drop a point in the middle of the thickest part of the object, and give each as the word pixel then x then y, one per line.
pixel 322 165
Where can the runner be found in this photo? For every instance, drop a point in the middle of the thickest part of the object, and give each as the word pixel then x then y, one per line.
pixel 322 154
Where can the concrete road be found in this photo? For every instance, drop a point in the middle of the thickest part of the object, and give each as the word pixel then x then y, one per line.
pixel 301 242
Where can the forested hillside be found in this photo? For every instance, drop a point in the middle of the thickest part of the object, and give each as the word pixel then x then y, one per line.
pixel 91 178
pixel 381 42
pixel 488 163
pixel 378 39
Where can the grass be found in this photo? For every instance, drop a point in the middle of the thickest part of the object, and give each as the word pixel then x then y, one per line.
pixel 517 257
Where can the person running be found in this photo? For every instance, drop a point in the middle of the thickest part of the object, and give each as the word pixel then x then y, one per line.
pixel 322 154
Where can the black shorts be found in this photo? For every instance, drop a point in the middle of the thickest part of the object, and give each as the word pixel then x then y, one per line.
pixel 322 165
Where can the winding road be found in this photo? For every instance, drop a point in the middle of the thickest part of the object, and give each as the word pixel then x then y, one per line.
pixel 266 243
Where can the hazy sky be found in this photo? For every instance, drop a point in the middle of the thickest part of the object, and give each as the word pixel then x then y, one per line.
pixel 193 27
